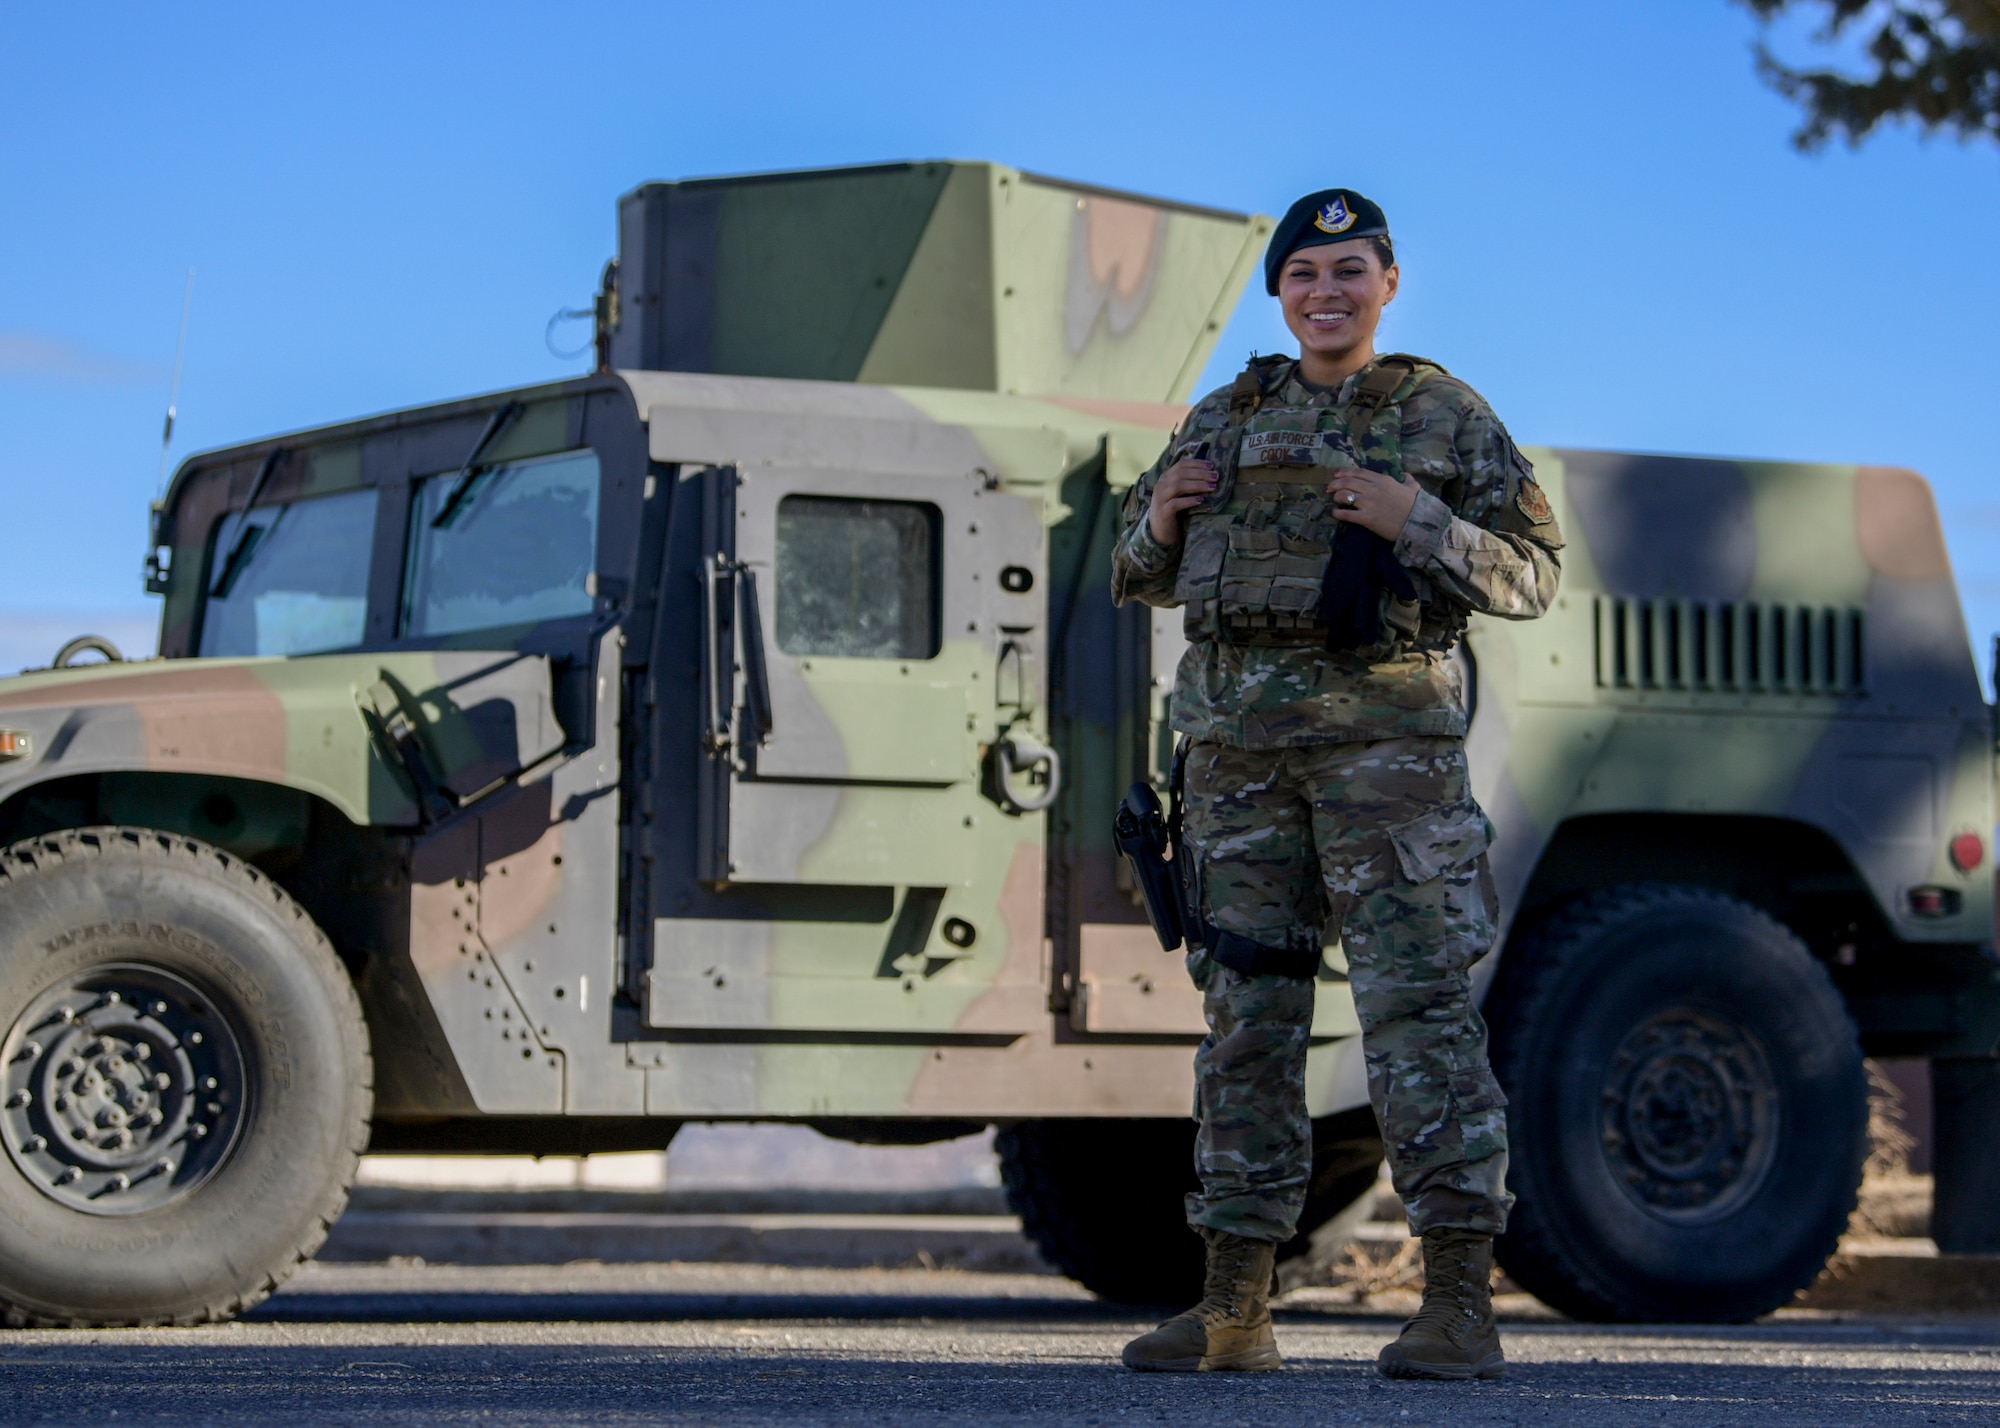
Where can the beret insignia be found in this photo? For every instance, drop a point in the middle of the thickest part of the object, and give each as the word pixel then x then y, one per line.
pixel 1334 217
pixel 1530 502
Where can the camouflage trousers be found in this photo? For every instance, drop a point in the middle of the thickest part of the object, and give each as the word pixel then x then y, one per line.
pixel 1381 845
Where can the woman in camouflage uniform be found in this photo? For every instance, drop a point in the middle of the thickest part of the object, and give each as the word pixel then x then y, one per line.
pixel 1328 522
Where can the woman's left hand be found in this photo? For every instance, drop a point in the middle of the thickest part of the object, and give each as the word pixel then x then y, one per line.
pixel 1371 500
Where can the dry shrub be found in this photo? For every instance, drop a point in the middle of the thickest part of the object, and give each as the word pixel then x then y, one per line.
pixel 1366 1274
pixel 1894 1202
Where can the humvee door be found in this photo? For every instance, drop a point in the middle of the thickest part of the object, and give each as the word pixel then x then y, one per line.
pixel 870 631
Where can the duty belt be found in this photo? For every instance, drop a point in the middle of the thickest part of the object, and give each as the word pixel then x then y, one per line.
pixel 1254 959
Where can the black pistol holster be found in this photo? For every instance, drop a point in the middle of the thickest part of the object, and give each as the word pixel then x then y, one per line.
pixel 1147 835
pixel 1144 833
pixel 1140 830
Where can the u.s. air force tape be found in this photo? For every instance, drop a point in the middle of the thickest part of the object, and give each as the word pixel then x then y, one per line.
pixel 1294 448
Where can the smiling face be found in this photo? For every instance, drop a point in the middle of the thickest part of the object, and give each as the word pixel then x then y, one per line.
pixel 1333 295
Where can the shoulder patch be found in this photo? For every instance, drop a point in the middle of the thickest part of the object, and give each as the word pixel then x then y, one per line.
pixel 1530 501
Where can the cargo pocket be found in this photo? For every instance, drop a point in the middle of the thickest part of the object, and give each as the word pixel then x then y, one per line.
pixel 1440 839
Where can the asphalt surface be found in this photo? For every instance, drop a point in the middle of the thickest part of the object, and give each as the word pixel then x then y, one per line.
pixel 754 1344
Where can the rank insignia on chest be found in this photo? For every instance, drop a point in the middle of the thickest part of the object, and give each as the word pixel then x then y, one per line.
pixel 1334 217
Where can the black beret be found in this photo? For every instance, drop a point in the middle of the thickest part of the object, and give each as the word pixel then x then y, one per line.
pixel 1333 215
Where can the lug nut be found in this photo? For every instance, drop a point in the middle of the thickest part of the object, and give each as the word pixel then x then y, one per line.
pixel 62 1103
pixel 208 1083
pixel 152 1117
pixel 118 1182
pixel 194 1038
pixel 65 1014
pixel 142 1052
pixel 34 1145
pixel 19 1099
pixel 29 1051
pixel 163 1166
pixel 199 1132
pixel 161 1080
pixel 69 1067
pixel 158 1009
pixel 112 999
pixel 68 1175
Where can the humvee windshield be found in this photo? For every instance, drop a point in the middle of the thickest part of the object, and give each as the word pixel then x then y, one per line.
pixel 298 584
pixel 516 548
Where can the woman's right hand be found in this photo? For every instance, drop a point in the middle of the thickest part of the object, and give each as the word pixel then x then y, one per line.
pixel 1181 487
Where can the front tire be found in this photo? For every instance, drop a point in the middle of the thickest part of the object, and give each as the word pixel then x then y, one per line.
pixel 1688 1112
pixel 187 1081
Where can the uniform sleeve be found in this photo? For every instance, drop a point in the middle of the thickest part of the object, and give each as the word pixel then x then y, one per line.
pixel 1494 551
pixel 1141 568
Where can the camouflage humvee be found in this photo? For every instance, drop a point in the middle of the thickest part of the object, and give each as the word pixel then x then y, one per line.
pixel 733 734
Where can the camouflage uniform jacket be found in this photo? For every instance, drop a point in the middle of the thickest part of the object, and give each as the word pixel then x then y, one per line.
pixel 1480 539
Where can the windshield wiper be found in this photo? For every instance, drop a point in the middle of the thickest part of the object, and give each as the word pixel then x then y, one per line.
pixel 248 537
pixel 471 471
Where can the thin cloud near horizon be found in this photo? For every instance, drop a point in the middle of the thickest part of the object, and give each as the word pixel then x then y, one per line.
pixel 35 354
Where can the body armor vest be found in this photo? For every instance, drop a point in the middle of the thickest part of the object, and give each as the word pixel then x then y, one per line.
pixel 1256 553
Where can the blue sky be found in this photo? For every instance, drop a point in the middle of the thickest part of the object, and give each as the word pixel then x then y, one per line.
pixel 1600 220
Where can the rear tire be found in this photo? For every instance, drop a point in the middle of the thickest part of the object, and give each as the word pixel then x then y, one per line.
pixel 1105 1200
pixel 187 1081
pixel 1688 1113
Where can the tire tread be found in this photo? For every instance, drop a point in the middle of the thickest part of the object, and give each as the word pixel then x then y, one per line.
pixel 48 850
pixel 1532 1252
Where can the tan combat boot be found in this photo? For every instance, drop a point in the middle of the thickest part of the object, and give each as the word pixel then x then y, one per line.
pixel 1452 1335
pixel 1231 1327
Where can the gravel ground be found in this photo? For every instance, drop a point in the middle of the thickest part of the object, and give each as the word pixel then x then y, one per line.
pixel 755 1344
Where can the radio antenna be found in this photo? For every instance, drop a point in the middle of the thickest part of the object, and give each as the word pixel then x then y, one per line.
pixel 174 394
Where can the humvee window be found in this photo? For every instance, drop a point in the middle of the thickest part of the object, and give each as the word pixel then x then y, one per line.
pixel 517 548
pixel 298 584
pixel 857 578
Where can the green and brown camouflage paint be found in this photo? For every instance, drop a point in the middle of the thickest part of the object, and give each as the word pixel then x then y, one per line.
pixel 525 849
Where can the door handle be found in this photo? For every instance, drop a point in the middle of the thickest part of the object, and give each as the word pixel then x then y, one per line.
pixel 715 716
pixel 717 574
pixel 756 672
pixel 1017 679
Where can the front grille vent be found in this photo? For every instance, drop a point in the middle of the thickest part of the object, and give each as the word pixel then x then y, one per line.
pixel 1741 646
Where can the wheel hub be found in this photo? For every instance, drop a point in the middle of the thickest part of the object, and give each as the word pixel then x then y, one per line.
pixel 1689 1115
pixel 123 1090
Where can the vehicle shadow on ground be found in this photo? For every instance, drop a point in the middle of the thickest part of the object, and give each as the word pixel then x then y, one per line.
pixel 436 1306
pixel 496 1383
